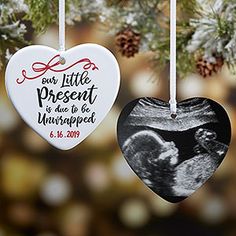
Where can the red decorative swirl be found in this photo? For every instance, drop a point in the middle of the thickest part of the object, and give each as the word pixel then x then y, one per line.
pixel 42 68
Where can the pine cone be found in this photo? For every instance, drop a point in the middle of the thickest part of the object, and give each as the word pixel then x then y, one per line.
pixel 128 42
pixel 207 69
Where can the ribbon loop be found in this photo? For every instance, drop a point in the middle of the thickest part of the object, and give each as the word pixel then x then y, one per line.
pixel 41 68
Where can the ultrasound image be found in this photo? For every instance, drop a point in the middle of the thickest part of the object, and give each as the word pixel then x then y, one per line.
pixel 174 157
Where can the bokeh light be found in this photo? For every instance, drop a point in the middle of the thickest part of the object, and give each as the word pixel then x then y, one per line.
pixel 55 189
pixel 91 190
pixel 134 213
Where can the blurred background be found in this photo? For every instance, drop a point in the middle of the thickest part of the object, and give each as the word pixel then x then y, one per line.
pixel 91 190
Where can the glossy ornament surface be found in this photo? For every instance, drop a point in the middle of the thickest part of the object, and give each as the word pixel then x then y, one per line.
pixel 63 100
pixel 174 157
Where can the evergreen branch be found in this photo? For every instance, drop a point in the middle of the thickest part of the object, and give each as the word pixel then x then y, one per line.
pixel 42 13
pixel 205 27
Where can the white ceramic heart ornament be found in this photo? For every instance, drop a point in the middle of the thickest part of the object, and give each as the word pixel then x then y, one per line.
pixel 63 103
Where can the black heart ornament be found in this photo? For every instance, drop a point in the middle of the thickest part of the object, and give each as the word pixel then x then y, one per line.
pixel 174 157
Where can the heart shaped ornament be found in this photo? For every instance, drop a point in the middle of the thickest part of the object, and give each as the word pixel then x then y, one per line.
pixel 63 100
pixel 174 157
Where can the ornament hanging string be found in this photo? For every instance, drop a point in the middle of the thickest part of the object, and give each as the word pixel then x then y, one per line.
pixel 40 68
pixel 173 77
pixel 62 18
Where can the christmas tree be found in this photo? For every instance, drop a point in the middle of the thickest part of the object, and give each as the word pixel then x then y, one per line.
pixel 205 38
